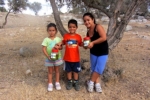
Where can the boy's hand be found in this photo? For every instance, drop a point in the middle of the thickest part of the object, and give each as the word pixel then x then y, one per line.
pixel 81 44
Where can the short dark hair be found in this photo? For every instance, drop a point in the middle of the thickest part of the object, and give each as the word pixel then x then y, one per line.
pixel 73 21
pixel 51 25
pixel 90 15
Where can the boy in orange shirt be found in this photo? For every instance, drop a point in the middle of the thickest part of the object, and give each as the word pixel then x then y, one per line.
pixel 72 41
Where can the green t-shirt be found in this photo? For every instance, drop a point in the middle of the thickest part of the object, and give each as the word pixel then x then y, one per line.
pixel 49 43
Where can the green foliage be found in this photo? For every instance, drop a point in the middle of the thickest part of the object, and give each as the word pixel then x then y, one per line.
pixel 2 9
pixel 143 8
pixel 75 11
pixel 17 5
pixel 35 6
pixel 78 5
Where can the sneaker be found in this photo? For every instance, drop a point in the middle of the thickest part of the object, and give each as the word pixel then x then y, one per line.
pixel 90 86
pixel 98 87
pixel 69 85
pixel 50 87
pixel 76 85
pixel 58 87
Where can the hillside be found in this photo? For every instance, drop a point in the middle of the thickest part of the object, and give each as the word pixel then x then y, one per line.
pixel 132 56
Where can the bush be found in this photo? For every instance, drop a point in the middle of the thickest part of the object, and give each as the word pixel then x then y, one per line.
pixel 2 9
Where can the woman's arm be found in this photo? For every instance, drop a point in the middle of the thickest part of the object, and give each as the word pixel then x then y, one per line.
pixel 102 38
pixel 102 34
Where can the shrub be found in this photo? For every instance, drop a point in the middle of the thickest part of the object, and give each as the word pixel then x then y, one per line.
pixel 2 9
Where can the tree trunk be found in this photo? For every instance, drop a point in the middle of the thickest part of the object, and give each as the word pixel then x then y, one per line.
pixel 116 29
pixel 57 18
pixel 6 18
pixel 117 32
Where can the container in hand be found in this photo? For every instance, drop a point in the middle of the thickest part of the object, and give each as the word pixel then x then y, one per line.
pixel 86 41
pixel 54 54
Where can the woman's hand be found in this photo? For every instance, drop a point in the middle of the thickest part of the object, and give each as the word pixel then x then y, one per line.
pixel 91 45
pixel 58 46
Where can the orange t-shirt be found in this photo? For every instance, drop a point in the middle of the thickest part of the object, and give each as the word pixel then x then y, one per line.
pixel 72 43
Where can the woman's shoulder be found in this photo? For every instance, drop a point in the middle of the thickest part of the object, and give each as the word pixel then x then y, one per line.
pixel 98 26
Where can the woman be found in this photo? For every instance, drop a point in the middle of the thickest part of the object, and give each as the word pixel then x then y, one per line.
pixel 98 51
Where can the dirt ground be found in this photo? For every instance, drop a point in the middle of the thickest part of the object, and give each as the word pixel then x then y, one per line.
pixel 132 55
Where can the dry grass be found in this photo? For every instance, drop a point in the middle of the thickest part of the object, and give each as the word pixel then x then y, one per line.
pixel 131 55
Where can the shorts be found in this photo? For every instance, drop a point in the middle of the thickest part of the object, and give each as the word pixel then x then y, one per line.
pixel 72 66
pixel 52 63
pixel 98 63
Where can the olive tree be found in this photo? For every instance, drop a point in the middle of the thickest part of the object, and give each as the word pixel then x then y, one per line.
pixel 112 9
pixel 15 6
pixel 2 3
pixel 35 6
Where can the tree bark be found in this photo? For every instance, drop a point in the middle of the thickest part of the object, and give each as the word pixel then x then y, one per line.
pixel 6 18
pixel 116 29
pixel 58 21
pixel 92 4
pixel 115 33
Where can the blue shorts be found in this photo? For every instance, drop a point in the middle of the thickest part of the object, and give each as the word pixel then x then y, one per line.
pixel 98 63
pixel 72 66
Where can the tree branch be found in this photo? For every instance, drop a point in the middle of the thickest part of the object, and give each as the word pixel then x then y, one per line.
pixel 114 19
pixel 133 6
pixel 93 5
pixel 118 32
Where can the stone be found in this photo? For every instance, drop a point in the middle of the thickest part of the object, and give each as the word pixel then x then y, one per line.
pixel 80 21
pixel 28 72
pixel 108 75
pixel 148 25
pixel 144 20
pixel 105 19
pixel 132 21
pixel 86 65
pixel 113 75
pixel 25 52
pixel 139 20
pixel 128 28
pixel 141 17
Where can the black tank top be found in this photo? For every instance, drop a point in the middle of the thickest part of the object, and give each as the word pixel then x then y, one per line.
pixel 98 49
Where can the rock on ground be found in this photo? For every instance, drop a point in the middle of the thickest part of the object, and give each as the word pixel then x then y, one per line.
pixel 25 52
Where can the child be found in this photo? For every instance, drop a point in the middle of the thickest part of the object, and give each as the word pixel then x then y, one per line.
pixel 72 41
pixel 52 42
pixel 98 51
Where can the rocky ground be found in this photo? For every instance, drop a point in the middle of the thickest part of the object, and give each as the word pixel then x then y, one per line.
pixel 25 78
